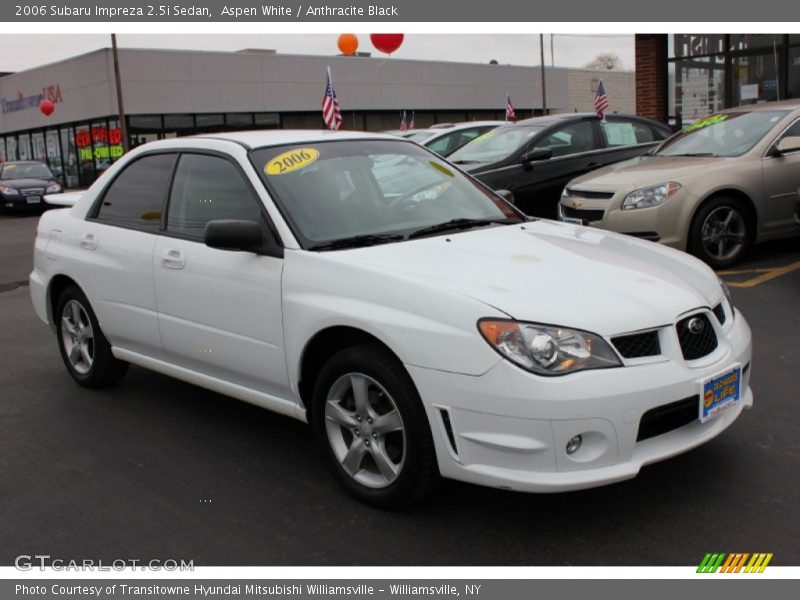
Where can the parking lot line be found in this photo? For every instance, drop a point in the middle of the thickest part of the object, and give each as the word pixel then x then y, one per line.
pixel 763 276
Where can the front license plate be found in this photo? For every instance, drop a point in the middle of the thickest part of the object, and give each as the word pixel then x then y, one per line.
pixel 33 199
pixel 720 393
pixel 572 221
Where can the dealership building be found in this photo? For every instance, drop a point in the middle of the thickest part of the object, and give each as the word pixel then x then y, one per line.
pixel 684 77
pixel 169 93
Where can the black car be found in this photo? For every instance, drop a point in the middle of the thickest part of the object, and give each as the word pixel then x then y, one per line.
pixel 23 184
pixel 535 158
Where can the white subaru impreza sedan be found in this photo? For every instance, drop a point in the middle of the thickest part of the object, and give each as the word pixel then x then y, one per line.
pixel 418 322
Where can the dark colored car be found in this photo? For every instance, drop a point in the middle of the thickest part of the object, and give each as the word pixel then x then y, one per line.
pixel 535 158
pixel 23 184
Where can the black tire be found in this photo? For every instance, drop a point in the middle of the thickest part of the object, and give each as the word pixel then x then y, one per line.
pixel 735 238
pixel 418 473
pixel 103 369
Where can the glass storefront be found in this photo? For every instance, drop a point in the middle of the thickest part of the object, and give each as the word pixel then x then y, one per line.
pixel 78 153
pixel 709 72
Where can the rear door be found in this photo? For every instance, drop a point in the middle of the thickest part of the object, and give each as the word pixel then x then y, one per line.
pixel 626 138
pixel 115 254
pixel 219 311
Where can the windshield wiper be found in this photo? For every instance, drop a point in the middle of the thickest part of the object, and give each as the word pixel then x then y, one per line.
pixel 455 225
pixel 358 241
pixel 465 162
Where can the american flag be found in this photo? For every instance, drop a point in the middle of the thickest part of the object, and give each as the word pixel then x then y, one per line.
pixel 330 106
pixel 411 124
pixel 403 125
pixel 601 101
pixel 511 114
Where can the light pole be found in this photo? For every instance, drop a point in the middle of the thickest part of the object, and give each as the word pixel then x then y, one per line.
pixel 120 107
pixel 541 56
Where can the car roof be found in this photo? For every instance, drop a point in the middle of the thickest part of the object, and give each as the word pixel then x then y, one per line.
pixel 22 162
pixel 548 120
pixel 277 137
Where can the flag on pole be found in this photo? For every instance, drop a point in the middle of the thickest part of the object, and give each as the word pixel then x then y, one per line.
pixel 331 112
pixel 511 114
pixel 601 101
pixel 411 124
pixel 403 125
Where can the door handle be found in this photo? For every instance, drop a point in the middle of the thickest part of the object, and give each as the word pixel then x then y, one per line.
pixel 592 165
pixel 88 241
pixel 173 259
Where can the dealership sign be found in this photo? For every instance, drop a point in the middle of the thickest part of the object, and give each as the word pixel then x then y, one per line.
pixel 50 92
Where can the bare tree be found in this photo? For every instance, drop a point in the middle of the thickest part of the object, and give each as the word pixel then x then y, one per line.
pixel 605 60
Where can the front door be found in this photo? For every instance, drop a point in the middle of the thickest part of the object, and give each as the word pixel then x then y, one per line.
pixel 781 182
pixel 219 311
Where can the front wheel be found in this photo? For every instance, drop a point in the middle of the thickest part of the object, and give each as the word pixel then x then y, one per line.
pixel 720 232
pixel 370 423
pixel 84 349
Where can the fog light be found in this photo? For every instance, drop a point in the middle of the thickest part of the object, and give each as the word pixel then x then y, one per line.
pixel 574 444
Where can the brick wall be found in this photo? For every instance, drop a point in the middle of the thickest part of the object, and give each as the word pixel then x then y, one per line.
pixel 582 89
pixel 651 76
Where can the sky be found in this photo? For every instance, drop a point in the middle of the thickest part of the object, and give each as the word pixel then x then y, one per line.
pixel 20 52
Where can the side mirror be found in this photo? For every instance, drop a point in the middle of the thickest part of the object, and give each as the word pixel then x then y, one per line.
pixel 506 195
pixel 231 234
pixel 788 144
pixel 537 154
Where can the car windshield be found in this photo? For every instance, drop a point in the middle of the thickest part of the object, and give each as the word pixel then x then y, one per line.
pixel 494 145
pixel 332 191
pixel 418 136
pixel 25 171
pixel 726 134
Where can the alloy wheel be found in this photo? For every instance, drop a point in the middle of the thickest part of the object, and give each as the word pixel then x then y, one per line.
pixel 77 336
pixel 365 430
pixel 724 233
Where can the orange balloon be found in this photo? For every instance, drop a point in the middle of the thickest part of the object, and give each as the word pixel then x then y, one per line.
pixel 348 44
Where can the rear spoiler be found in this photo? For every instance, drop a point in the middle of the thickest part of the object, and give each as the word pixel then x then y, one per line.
pixel 68 199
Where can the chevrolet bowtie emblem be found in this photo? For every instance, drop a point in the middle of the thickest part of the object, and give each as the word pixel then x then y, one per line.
pixel 577 203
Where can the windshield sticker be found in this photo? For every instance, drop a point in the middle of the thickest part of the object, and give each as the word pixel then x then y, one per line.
pixel 9 167
pixel 293 160
pixel 442 169
pixel 485 135
pixel 705 122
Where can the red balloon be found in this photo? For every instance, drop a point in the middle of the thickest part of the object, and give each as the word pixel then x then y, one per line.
pixel 386 42
pixel 47 107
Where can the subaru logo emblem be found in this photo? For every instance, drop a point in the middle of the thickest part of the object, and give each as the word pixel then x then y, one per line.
pixel 696 325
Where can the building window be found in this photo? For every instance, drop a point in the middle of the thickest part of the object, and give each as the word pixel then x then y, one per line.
pixel 178 125
pixel 210 123
pixel 69 157
pixel 699 88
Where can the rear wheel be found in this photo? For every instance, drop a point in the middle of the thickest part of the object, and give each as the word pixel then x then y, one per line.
pixel 369 421
pixel 720 232
pixel 84 349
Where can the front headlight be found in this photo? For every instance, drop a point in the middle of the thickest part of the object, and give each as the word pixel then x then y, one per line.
pixel 53 188
pixel 545 349
pixel 651 196
pixel 9 191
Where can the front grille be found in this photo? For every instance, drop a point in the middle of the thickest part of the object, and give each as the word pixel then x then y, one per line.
pixel 589 194
pixel 32 191
pixel 586 215
pixel 637 345
pixel 719 312
pixel 668 417
pixel 699 343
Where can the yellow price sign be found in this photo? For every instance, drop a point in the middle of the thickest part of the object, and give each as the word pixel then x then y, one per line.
pixel 293 160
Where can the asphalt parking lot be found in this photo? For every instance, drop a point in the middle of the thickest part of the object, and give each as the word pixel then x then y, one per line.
pixel 156 468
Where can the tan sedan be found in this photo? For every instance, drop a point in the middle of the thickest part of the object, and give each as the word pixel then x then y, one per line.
pixel 722 183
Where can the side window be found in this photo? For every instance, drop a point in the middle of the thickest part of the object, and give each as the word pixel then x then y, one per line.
pixel 570 139
pixel 207 188
pixel 793 131
pixel 136 196
pixel 625 133
pixel 441 145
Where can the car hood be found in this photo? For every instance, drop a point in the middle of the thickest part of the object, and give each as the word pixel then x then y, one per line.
pixel 554 273
pixel 646 170
pixel 25 183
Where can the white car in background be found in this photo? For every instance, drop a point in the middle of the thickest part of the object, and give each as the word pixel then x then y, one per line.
pixel 446 138
pixel 423 331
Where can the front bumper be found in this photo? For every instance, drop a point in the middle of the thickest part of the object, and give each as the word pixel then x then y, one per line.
pixel 667 223
pixel 509 428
